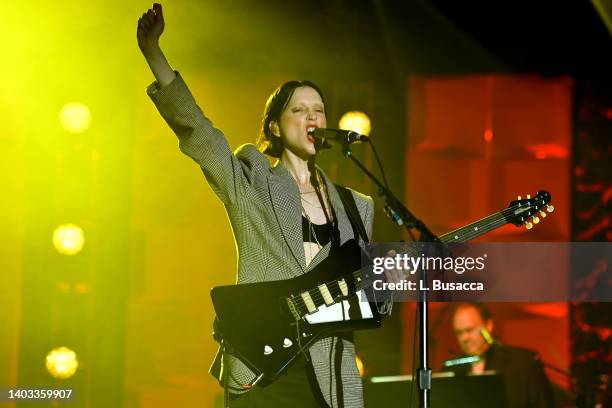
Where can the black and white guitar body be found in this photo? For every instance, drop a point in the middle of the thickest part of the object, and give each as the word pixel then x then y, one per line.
pixel 269 324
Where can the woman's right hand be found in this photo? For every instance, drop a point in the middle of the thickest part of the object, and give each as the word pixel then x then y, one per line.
pixel 150 28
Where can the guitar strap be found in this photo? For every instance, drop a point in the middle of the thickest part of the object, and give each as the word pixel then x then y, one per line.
pixel 350 206
pixel 353 213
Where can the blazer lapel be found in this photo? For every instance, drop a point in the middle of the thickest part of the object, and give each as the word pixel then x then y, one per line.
pixel 285 197
pixel 344 224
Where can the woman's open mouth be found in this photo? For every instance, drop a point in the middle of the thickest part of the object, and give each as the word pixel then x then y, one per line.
pixel 309 133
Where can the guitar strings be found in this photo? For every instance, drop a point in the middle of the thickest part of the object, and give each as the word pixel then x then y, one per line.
pixel 317 297
pixel 498 219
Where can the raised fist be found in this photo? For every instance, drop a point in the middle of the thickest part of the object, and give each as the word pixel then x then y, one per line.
pixel 150 28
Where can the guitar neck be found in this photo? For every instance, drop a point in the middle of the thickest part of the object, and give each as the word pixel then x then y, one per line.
pixel 364 276
pixel 475 229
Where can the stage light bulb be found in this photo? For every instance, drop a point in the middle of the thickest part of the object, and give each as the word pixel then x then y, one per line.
pixel 68 239
pixel 356 121
pixel 61 362
pixel 75 117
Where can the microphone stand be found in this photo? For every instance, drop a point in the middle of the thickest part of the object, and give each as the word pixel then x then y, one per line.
pixel 402 216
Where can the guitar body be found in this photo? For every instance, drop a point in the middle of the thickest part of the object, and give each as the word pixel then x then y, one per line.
pixel 258 324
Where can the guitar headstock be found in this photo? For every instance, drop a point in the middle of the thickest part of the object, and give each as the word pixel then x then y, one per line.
pixel 529 211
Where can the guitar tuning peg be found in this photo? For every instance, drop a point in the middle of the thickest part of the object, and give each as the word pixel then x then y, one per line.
pixel 529 225
pixel 535 219
pixel 519 197
pixel 542 214
pixel 550 208
pixel 528 196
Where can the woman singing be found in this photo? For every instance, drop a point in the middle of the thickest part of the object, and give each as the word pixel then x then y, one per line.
pixel 286 218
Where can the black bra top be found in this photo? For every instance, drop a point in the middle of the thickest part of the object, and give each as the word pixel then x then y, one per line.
pixel 320 233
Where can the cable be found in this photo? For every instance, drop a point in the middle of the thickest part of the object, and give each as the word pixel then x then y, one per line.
pixel 382 170
pixel 384 177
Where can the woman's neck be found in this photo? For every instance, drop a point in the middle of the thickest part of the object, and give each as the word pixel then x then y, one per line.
pixel 298 168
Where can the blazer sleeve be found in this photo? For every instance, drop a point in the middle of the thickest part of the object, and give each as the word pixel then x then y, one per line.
pixel 227 173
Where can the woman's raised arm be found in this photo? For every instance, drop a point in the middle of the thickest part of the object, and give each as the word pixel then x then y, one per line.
pixel 150 28
pixel 227 174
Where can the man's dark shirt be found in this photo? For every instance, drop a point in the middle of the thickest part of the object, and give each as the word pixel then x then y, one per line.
pixel 525 381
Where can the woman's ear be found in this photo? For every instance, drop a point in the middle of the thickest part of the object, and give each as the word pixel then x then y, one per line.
pixel 274 129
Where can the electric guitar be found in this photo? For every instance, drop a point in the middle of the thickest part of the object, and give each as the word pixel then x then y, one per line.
pixel 269 324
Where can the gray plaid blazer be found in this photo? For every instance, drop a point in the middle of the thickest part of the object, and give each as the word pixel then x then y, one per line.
pixel 264 208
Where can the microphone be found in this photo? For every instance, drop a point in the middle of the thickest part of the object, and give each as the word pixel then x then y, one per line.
pixel 339 135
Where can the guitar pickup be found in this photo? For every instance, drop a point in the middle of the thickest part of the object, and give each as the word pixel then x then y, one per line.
pixel 310 304
pixel 325 294
pixel 343 287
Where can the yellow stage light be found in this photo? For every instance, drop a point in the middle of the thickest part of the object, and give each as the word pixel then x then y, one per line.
pixel 68 239
pixel 75 117
pixel 359 365
pixel 61 362
pixel 356 121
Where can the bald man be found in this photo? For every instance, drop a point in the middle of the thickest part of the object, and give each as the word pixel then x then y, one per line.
pixel 525 381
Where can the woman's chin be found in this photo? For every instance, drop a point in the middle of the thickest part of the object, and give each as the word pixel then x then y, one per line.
pixel 312 153
pixel 306 152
